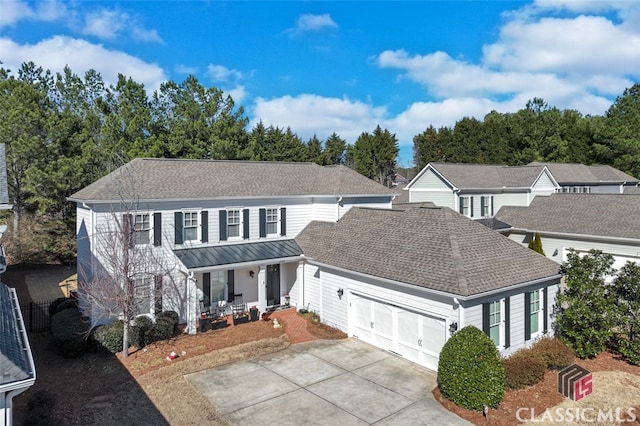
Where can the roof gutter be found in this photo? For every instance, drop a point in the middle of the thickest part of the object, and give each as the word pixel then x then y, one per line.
pixel 589 237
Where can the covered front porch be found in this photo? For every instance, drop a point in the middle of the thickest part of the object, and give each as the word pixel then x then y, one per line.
pixel 227 278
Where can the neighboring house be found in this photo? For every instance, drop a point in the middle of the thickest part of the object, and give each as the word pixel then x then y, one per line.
pixel 405 279
pixel 478 190
pixel 223 227
pixel 17 368
pixel 607 222
pixel 579 178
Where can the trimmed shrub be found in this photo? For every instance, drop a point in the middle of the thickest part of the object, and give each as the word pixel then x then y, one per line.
pixel 173 316
pixel 555 353
pixel 69 332
pixel 110 336
pixel 142 332
pixel 470 371
pixel 630 350
pixel 165 328
pixel 523 368
pixel 67 304
pixel 53 306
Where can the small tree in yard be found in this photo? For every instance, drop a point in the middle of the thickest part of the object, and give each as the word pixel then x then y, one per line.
pixel 627 299
pixel 535 243
pixel 586 313
pixel 125 267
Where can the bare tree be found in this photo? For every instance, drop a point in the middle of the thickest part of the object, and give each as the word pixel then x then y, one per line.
pixel 128 275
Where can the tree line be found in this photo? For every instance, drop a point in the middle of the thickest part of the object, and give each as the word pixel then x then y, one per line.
pixel 539 132
pixel 63 131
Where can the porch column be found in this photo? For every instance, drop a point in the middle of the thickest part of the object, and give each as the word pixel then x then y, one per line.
pixel 299 297
pixel 192 303
pixel 262 289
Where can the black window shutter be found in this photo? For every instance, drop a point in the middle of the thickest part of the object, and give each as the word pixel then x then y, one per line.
pixel 179 227
pixel 231 286
pixel 461 205
pixel 527 316
pixel 471 206
pixel 158 294
pixel 127 229
pixel 245 224
pixel 223 225
pixel 283 221
pixel 507 323
pixel 483 207
pixel 544 310
pixel 204 216
pixel 157 229
pixel 492 205
pixel 206 287
pixel 486 327
pixel 263 223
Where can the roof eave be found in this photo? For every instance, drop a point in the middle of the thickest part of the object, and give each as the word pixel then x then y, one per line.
pixel 603 238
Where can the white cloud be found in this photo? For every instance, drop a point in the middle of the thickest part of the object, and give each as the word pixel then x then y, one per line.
pixel 14 11
pixel 312 23
pixel 80 55
pixel 110 24
pixel 311 114
pixel 238 94
pixel 184 69
pixel 220 73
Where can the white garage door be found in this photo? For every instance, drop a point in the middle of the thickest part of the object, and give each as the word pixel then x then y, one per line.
pixel 416 336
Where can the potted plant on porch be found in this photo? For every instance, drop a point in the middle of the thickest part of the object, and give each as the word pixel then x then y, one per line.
pixel 240 318
pixel 220 322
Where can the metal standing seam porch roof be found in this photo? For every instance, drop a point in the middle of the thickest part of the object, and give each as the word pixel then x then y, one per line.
pixel 229 254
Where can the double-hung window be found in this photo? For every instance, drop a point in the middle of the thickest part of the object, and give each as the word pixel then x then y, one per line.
pixel 535 313
pixel 534 303
pixel 190 226
pixel 234 223
pixel 272 221
pixel 486 205
pixel 141 228
pixel 466 206
pixel 495 322
pixel 142 295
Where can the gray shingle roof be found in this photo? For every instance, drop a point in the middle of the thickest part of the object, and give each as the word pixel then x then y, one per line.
pixel 158 179
pixel 237 253
pixel 488 176
pixel 607 215
pixel 431 247
pixel 14 362
pixel 572 173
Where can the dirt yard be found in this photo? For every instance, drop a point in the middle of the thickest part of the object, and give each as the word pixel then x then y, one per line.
pixel 145 388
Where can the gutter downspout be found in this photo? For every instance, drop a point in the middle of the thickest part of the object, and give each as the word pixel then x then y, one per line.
pixel 8 404
pixel 338 207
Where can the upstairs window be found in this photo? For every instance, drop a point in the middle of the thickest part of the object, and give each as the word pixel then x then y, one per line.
pixel 486 206
pixel 233 223
pixel 466 206
pixel 190 226
pixel 141 228
pixel 272 221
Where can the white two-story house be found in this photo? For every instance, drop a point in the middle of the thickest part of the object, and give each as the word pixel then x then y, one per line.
pixel 220 228
pixel 478 190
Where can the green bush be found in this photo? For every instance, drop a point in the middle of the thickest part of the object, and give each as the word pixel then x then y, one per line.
pixel 53 306
pixel 142 332
pixel 555 353
pixel 470 371
pixel 109 337
pixel 173 316
pixel 630 350
pixel 165 328
pixel 523 368
pixel 69 333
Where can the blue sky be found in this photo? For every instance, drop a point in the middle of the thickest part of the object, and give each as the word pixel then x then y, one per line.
pixel 346 67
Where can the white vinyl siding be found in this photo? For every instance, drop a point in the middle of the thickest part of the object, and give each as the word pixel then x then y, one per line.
pixel 429 180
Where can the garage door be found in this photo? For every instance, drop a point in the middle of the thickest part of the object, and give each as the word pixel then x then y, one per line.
pixel 416 336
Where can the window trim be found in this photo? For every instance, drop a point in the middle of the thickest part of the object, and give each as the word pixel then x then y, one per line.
pixel 499 324
pixel 240 223
pixel 276 222
pixel 198 236
pixel 149 283
pixel 466 203
pixel 149 230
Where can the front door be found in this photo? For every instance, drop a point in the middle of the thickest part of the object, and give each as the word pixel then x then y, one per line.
pixel 273 285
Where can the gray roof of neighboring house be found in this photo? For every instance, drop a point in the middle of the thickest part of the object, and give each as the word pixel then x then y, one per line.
pixel 228 254
pixel 572 173
pixel 606 215
pixel 15 363
pixel 631 190
pixel 429 247
pixel 173 179
pixel 488 176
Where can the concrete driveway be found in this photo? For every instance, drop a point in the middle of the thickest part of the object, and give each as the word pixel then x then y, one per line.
pixel 324 382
